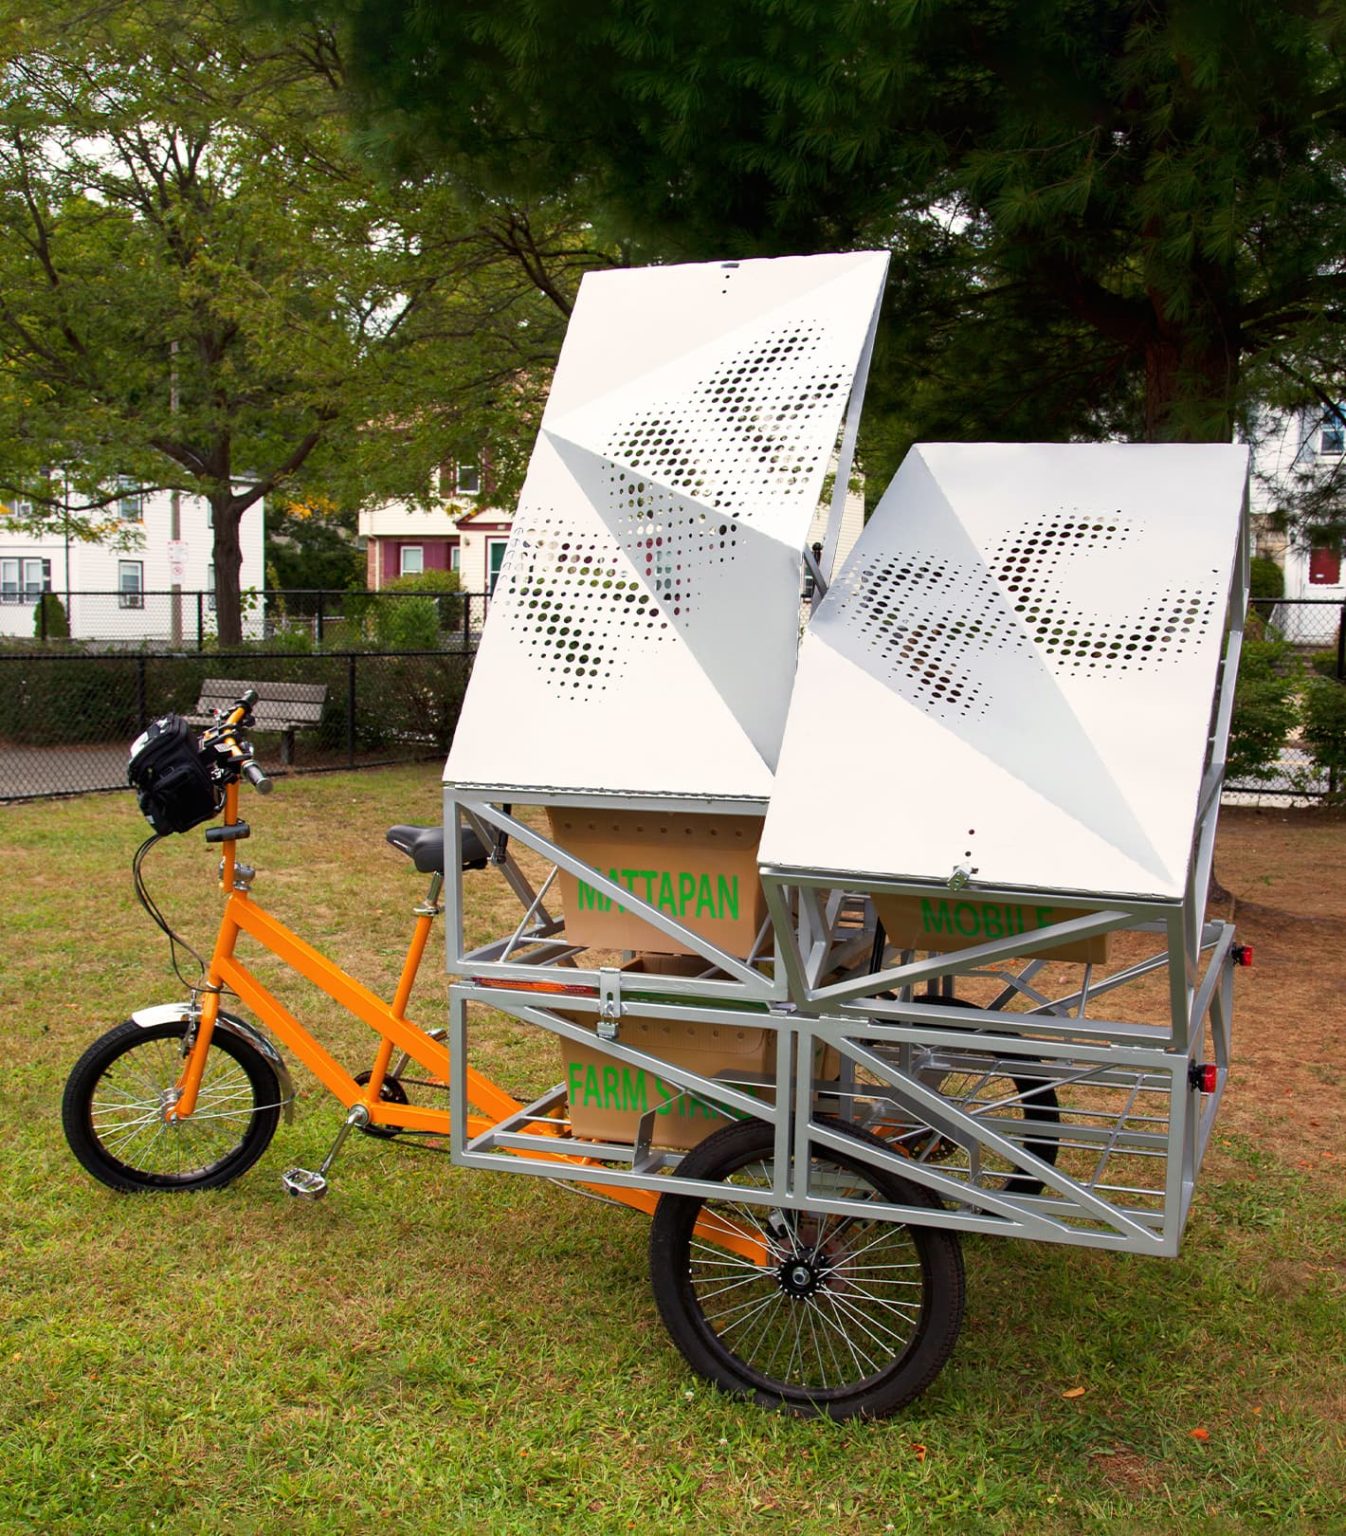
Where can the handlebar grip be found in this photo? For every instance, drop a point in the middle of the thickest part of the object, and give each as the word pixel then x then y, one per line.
pixel 249 698
pixel 257 779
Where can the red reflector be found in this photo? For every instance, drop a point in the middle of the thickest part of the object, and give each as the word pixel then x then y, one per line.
pixel 1206 1077
pixel 1243 954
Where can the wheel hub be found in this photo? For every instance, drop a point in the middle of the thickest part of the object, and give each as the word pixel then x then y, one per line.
pixel 799 1276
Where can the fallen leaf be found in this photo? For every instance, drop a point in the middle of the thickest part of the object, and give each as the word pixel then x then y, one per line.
pixel 1200 1433
pixel 919 1449
pixel 1074 1392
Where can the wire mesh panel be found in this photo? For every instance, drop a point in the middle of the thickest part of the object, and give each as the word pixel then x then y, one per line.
pixel 644 627
pixel 1013 675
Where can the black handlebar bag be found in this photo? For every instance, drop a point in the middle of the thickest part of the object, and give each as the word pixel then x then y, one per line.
pixel 172 783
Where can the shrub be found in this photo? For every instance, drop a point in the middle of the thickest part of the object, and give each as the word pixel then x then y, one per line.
pixel 1267 579
pixel 55 624
pixel 443 586
pixel 1325 726
pixel 407 624
pixel 1265 711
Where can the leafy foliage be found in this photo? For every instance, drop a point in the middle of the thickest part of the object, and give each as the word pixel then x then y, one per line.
pixel 50 620
pixel 1325 726
pixel 1105 214
pixel 203 286
pixel 1265 710
pixel 1267 579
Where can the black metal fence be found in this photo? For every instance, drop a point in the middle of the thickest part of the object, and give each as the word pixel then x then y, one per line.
pixel 67 718
pixel 299 620
pixel 68 711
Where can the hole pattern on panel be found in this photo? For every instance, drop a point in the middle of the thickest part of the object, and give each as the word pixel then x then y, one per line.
pixel 928 617
pixel 1033 566
pixel 749 435
pixel 674 544
pixel 578 607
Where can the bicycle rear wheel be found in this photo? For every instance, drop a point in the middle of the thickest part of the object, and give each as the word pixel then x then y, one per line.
pixel 848 1315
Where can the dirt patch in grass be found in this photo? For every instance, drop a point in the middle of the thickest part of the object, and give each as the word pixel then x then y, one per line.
pixel 1286 871
pixel 1127 1471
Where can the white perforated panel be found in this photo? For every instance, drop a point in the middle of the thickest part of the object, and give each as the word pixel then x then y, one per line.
pixel 1015 671
pixel 642 636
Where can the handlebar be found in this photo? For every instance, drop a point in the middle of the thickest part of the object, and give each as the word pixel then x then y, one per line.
pixel 257 778
pixel 235 755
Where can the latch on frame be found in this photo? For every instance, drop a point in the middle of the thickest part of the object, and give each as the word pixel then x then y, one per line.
pixel 609 1002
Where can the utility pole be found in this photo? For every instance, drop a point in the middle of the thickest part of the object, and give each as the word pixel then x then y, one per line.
pixel 65 525
pixel 175 502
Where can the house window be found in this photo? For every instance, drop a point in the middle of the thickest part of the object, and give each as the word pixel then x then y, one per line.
pixel 24 581
pixel 36 579
pixel 495 556
pixel 413 559
pixel 468 480
pixel 210 586
pixel 130 501
pixel 1325 565
pixel 455 557
pixel 131 583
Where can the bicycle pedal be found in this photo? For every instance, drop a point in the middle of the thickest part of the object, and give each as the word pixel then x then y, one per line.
pixel 304 1183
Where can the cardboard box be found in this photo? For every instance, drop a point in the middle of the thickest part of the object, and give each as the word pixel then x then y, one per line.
pixel 699 869
pixel 949 923
pixel 608 1098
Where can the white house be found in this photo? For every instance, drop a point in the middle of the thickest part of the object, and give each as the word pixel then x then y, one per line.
pixel 124 594
pixel 1312 444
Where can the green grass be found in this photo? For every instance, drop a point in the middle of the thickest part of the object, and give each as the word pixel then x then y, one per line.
pixel 434 1349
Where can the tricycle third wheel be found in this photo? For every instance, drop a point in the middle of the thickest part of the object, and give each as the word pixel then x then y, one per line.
pixel 812 1312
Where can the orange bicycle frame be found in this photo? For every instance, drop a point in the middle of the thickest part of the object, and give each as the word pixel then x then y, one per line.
pixel 242 915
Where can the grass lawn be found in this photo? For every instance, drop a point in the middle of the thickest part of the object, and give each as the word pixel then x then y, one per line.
pixel 434 1349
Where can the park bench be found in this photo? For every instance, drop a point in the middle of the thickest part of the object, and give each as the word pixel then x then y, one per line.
pixel 282 707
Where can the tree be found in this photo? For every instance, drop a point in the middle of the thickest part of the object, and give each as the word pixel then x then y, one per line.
pixel 203 287
pixel 1118 213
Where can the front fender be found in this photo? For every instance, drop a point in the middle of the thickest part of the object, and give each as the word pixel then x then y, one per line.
pixel 178 1013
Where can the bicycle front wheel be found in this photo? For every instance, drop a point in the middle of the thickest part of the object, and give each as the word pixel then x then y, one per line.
pixel 845 1315
pixel 116 1100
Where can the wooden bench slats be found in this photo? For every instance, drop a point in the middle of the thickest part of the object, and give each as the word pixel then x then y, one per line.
pixel 280 707
pixel 224 690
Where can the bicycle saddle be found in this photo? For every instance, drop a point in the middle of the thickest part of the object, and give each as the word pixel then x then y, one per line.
pixel 424 846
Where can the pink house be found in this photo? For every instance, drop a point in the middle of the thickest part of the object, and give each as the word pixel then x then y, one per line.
pixel 459 533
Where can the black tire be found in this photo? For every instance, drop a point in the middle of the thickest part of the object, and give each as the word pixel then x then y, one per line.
pixel 1015 1093
pixel 812 1336
pixel 115 1097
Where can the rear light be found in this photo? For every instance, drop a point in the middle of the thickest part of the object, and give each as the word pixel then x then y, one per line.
pixel 1203 1076
pixel 1242 954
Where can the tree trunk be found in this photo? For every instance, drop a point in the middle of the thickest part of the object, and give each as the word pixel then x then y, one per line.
pixel 228 565
pixel 1191 376
pixel 1189 393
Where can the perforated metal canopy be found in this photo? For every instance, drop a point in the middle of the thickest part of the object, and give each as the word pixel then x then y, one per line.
pixel 643 632
pixel 1014 671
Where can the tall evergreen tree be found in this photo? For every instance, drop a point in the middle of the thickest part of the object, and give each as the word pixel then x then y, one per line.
pixel 1108 212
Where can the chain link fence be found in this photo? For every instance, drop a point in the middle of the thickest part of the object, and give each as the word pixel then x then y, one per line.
pixel 67 720
pixel 187 620
pixel 1294 651
pixel 394 667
